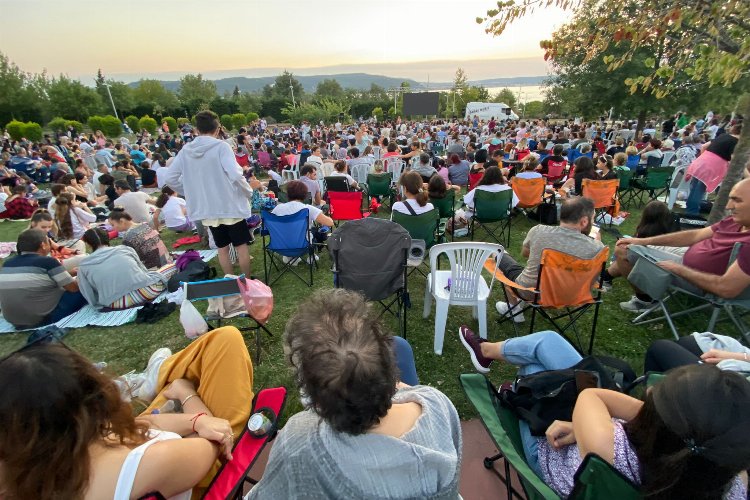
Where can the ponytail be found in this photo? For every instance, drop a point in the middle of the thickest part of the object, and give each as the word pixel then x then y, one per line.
pixel 63 209
pixel 163 198
pixel 412 183
pixel 96 237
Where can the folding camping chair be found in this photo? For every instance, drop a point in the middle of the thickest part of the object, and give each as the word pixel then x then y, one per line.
pixel 230 480
pixel 660 285
pixel 346 206
pixel 492 208
pixel 337 183
pixel 446 207
pixel 424 227
pixel 289 241
pixel 380 185
pixel 530 192
pixel 225 287
pixel 370 256
pixel 594 479
pixel 462 285
pixel 654 183
pixel 555 171
pixel 625 189
pixel 604 196
pixel 565 283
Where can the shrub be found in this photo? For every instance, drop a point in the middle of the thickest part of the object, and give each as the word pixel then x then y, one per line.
pixel 182 121
pixel 192 120
pixel 148 123
pixel 239 120
pixel 171 123
pixel 32 131
pixel 58 124
pixel 251 117
pixel 15 129
pixel 111 126
pixel 378 113
pixel 132 122
pixel 96 123
pixel 226 120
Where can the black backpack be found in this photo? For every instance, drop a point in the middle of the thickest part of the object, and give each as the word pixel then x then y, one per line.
pixel 543 397
pixel 196 270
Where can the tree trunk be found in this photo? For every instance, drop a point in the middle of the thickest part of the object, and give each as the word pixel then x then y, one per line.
pixel 740 159
pixel 640 125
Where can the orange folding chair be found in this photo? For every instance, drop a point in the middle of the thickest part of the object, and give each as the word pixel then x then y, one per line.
pixel 346 206
pixel 530 192
pixel 567 287
pixel 604 196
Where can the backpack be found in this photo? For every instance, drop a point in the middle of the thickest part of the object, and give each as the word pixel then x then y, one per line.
pixel 543 397
pixel 196 270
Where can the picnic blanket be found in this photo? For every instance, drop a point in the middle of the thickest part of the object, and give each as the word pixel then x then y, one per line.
pixel 90 316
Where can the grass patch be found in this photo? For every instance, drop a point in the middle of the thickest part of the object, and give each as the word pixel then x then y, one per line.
pixel 129 347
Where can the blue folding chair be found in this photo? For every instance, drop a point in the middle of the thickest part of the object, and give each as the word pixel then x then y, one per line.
pixel 290 240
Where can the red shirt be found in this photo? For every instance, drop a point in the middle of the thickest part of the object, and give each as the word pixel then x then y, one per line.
pixel 712 254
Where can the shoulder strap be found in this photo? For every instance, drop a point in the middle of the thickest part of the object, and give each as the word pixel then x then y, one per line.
pixel 130 468
pixel 409 207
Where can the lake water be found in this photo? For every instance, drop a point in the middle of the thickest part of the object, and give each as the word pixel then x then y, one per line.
pixel 522 93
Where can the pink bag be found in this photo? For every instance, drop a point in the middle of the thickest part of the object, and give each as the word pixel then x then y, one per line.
pixel 258 299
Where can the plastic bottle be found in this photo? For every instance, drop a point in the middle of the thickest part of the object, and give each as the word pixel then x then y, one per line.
pixel 169 407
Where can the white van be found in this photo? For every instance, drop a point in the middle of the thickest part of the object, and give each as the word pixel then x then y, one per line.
pixel 487 110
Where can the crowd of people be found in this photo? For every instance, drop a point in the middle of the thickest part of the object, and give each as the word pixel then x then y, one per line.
pixel 367 424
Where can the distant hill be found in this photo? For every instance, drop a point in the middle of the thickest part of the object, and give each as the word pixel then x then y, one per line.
pixel 360 81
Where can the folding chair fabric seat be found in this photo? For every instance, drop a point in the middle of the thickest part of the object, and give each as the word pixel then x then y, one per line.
pixel 380 185
pixel 595 479
pixel 492 208
pixel 654 183
pixel 370 256
pixel 346 205
pixel 555 171
pixel 337 183
pixel 289 237
pixel 446 207
pixel 530 192
pixel 604 195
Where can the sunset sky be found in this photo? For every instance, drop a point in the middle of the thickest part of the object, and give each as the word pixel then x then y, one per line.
pixel 131 39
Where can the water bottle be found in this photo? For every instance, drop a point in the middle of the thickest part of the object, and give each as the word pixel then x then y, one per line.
pixel 169 407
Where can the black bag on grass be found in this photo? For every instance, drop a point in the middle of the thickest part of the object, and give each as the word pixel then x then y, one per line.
pixel 196 270
pixel 541 398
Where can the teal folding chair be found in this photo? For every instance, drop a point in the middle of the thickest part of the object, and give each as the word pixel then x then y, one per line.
pixel 492 209
pixel 654 183
pixel 446 207
pixel 595 479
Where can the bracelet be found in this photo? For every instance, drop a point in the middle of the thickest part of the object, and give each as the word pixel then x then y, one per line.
pixel 182 403
pixel 196 417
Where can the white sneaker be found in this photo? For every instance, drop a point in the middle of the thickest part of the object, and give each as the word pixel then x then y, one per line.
pixel 129 385
pixel 294 260
pixel 315 258
pixel 503 308
pixel 636 305
pixel 147 389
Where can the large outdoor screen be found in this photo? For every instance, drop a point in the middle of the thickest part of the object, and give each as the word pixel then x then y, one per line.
pixel 422 103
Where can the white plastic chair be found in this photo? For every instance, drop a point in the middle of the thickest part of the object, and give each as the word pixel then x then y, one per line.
pixel 395 166
pixel 359 172
pixel 376 152
pixel 292 173
pixel 467 286
pixel 667 158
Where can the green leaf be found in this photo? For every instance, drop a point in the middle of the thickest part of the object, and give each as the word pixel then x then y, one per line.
pixel 649 62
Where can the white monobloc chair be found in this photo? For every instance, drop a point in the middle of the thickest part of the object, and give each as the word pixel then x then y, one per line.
pixel 291 174
pixel 467 286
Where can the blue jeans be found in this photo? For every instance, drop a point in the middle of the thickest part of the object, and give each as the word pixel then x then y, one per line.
pixel 70 302
pixel 405 361
pixel 696 195
pixel 541 351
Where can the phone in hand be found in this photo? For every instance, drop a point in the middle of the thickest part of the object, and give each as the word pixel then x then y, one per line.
pixel 594 231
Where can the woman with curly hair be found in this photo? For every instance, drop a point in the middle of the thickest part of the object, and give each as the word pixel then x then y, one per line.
pixel 364 434
pixel 67 432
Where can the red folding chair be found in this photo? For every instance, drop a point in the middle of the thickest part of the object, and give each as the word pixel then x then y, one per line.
pixel 346 206
pixel 555 171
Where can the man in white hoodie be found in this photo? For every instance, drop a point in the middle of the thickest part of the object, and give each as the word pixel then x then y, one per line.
pixel 207 174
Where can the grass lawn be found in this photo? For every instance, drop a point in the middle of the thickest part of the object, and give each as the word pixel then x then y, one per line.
pixel 129 347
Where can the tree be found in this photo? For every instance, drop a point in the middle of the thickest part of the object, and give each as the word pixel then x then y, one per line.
pixel 329 88
pixel 122 95
pixel 149 94
pixel 283 88
pixel 171 123
pixel 505 96
pixel 72 99
pixel 148 123
pixel 22 95
pixel 533 109
pixel 705 41
pixel 195 92
pixel 132 122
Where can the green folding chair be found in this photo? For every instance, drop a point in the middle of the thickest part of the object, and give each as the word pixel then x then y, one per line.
pixel 492 208
pixel 380 185
pixel 595 479
pixel 446 206
pixel 654 183
pixel 625 190
pixel 425 227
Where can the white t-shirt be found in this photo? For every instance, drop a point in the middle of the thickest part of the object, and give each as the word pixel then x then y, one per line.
pixel 161 173
pixel 172 212
pixel 292 207
pixel 400 207
pixel 80 220
pixel 349 178
pixel 134 203
pixel 492 188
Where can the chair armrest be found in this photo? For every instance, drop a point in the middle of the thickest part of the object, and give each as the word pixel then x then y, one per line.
pixel 489 266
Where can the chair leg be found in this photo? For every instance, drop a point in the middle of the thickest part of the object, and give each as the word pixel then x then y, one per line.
pixel 441 318
pixel 474 312
pixel 427 299
pixel 481 309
